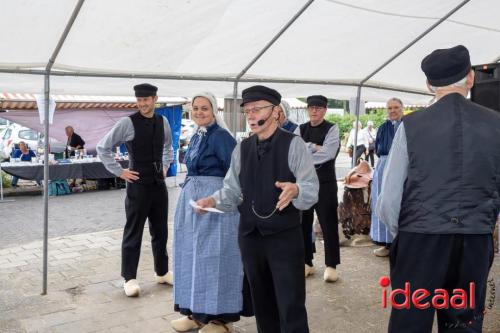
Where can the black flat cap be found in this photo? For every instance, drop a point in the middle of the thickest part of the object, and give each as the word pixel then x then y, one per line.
pixel 446 66
pixel 259 93
pixel 145 90
pixel 317 100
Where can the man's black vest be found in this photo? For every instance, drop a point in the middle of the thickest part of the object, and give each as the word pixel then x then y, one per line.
pixel 317 135
pixel 453 179
pixel 146 149
pixel 257 180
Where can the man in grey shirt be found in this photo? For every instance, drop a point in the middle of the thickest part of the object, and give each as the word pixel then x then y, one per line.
pixel 149 143
pixel 270 179
pixel 322 140
pixel 440 197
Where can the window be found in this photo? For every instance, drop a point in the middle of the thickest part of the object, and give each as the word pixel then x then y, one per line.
pixel 6 135
pixel 3 122
pixel 28 135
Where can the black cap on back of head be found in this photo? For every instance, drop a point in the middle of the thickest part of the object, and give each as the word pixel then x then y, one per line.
pixel 145 90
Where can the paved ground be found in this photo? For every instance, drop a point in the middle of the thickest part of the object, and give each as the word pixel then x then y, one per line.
pixel 85 293
pixel 85 289
pixel 101 210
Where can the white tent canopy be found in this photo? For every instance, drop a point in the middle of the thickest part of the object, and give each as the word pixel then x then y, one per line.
pixel 331 41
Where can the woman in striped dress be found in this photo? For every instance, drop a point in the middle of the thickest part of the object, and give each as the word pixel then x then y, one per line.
pixel 378 231
pixel 208 273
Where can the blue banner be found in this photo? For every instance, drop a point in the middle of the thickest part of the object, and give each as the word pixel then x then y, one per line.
pixel 174 117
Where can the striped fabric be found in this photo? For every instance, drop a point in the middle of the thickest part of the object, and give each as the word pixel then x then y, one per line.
pixel 378 231
pixel 208 273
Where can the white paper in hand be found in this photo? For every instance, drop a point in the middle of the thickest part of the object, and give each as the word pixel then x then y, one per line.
pixel 208 209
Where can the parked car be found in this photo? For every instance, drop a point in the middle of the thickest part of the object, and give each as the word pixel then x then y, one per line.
pixel 187 129
pixel 4 123
pixel 12 135
pixel 55 147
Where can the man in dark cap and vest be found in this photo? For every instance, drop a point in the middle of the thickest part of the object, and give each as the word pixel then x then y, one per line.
pixel 322 140
pixel 148 139
pixel 269 181
pixel 440 196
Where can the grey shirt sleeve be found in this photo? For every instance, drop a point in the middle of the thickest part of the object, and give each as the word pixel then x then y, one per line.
pixel 329 148
pixel 168 151
pixel 123 131
pixel 301 164
pixel 395 174
pixel 229 197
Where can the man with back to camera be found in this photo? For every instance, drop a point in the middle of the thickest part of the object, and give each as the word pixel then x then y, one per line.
pixel 440 196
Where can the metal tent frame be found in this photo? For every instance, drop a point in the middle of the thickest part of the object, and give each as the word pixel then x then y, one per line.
pixel 48 72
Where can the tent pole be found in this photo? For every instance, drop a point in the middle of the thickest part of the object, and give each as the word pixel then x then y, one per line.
pixel 358 101
pixel 235 108
pixel 50 63
pixel 257 57
pixel 215 79
pixel 46 181
pixel 391 59
pixel 414 41
pixel 274 39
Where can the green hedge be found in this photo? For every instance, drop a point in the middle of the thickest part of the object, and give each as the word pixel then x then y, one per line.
pixel 6 180
pixel 345 122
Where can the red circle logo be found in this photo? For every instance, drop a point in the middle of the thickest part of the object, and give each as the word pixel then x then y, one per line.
pixel 384 281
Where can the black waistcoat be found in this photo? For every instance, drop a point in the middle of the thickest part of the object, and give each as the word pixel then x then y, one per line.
pixel 454 169
pixel 146 149
pixel 257 178
pixel 317 134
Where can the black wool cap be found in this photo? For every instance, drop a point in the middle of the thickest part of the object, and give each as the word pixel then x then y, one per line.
pixel 446 66
pixel 259 93
pixel 145 90
pixel 317 100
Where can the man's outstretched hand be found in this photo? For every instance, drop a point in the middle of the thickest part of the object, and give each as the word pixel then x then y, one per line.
pixel 289 192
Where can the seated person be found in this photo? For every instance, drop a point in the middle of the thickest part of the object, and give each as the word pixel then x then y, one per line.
pixel 23 153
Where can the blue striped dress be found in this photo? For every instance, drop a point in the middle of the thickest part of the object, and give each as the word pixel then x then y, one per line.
pixel 208 272
pixel 379 233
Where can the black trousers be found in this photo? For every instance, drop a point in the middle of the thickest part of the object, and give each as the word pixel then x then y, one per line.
pixel 145 201
pixel 326 209
pixel 274 266
pixel 440 261
pixel 370 157
pixel 360 150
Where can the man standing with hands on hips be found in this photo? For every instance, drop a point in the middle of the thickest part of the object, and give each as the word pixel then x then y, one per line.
pixel 149 143
pixel 270 181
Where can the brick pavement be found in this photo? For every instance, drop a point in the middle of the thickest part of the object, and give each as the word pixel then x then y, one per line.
pixel 85 291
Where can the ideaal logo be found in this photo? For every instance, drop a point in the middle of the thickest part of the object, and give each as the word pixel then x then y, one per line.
pixel 441 299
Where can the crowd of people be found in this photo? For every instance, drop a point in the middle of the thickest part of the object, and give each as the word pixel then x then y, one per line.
pixel 243 241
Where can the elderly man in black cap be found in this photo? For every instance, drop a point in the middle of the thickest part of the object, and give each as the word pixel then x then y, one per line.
pixel 270 181
pixel 148 139
pixel 322 140
pixel 440 196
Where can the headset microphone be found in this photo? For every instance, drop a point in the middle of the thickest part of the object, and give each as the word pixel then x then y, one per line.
pixel 263 121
